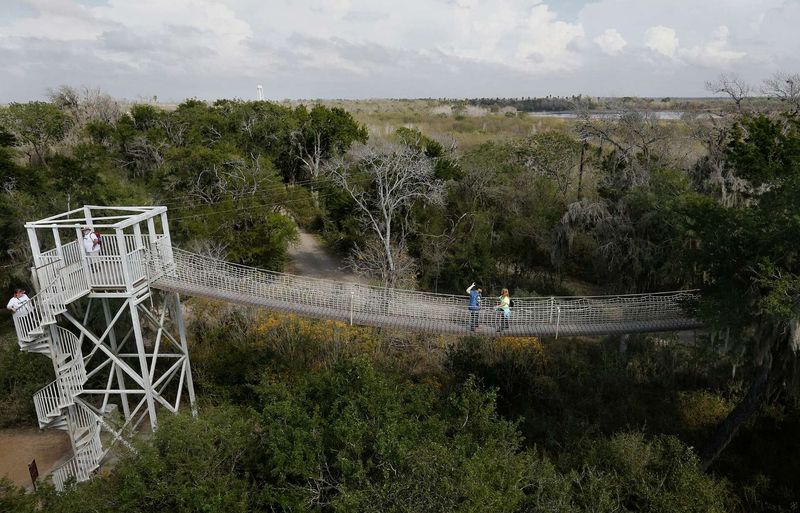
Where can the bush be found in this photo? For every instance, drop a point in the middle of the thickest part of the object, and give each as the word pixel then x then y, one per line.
pixel 21 375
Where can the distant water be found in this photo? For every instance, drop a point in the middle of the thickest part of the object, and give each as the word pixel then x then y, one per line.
pixel 669 115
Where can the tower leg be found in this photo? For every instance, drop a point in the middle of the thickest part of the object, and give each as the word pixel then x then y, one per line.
pixel 147 385
pixel 112 339
pixel 178 317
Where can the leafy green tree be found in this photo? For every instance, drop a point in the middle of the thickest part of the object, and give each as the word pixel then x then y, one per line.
pixel 322 133
pixel 21 375
pixel 445 165
pixel 554 155
pixel 37 126
pixel 354 440
pixel 630 473
pixel 748 255
pixel 13 498
pixel 638 235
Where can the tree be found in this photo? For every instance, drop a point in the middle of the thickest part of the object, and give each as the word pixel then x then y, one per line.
pixel 748 256
pixel 323 133
pixel 731 85
pixel 786 88
pixel 444 160
pixel 639 142
pixel 37 126
pixel 638 234
pixel 385 183
pixel 85 105
pixel 553 155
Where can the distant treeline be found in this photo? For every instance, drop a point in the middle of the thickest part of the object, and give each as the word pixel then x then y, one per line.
pixel 528 104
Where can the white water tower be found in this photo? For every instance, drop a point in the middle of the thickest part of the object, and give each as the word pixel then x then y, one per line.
pixel 260 93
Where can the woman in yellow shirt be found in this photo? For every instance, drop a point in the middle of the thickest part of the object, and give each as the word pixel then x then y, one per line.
pixel 504 308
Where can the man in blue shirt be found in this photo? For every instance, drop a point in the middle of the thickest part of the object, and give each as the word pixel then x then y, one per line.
pixel 474 305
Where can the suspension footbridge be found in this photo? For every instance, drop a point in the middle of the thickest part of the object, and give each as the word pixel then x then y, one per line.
pixel 125 350
pixel 197 275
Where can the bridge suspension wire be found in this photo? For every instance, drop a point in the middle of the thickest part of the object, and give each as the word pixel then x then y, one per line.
pixel 267 189
pixel 208 212
pixel 198 275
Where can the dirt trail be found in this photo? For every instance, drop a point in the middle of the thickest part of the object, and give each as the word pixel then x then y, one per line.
pixel 310 258
pixel 18 447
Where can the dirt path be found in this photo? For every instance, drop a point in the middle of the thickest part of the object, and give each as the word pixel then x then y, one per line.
pixel 310 258
pixel 18 447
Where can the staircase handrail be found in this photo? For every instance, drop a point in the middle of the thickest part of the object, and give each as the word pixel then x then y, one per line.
pixel 50 400
pixel 88 455
pixel 42 309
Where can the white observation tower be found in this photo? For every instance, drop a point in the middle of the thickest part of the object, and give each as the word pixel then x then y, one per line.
pixel 118 346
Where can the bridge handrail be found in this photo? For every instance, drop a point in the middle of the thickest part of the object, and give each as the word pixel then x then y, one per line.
pixel 374 305
pixel 460 297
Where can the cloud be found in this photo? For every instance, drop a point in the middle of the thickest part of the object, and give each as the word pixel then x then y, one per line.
pixel 370 48
pixel 546 44
pixel 662 40
pixel 714 53
pixel 610 42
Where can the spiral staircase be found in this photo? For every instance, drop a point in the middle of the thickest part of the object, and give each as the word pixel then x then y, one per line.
pixel 58 404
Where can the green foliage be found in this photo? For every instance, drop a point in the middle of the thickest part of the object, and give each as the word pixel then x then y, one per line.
pixel 331 418
pixel 15 499
pixel 351 438
pixel 636 474
pixel 445 167
pixel 763 150
pixel 21 375
pixel 38 125
pixel 324 132
pixel 748 254
pixel 497 226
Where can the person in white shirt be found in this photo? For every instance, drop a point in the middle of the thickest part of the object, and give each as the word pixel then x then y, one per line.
pixel 19 304
pixel 91 244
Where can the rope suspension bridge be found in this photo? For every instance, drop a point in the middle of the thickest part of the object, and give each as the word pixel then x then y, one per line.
pixel 138 359
pixel 198 275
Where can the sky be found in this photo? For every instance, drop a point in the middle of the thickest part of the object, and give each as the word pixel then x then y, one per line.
pixel 303 49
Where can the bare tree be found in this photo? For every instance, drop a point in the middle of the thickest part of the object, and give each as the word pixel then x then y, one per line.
pixel 309 151
pixel 435 247
pixel 85 104
pixel 142 156
pixel 640 142
pixel 384 183
pixel 369 260
pixel 232 177
pixel 733 86
pixel 786 88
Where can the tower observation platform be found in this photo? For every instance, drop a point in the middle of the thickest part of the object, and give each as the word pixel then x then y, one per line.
pixel 110 319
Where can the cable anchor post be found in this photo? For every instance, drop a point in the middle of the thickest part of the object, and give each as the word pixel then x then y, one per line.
pixel 558 322
pixel 352 298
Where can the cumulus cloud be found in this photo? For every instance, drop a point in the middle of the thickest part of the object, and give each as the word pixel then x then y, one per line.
pixel 715 52
pixel 610 41
pixel 662 40
pixel 545 44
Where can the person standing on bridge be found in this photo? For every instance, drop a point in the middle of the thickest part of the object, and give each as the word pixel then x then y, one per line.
pixel 504 309
pixel 19 304
pixel 474 305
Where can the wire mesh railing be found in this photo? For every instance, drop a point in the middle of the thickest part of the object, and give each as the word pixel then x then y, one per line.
pixel 195 274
